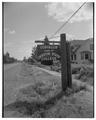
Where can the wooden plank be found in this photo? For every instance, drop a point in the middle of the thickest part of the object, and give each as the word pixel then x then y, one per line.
pixel 69 74
pixel 63 61
pixel 38 41
pixel 54 41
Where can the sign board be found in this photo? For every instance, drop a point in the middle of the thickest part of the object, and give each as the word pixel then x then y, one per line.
pixel 57 52
pixel 48 52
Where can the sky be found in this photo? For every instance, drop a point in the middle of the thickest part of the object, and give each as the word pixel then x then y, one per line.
pixel 26 22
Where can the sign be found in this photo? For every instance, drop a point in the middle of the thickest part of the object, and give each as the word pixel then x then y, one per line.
pixel 48 52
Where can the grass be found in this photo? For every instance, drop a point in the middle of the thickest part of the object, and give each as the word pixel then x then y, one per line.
pixel 86 74
pixel 35 100
pixel 35 106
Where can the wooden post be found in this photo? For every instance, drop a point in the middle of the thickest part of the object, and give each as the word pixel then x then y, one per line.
pixel 51 58
pixel 69 75
pixel 63 61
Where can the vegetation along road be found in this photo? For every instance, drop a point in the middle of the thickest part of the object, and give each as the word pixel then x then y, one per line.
pixel 11 72
pixel 31 84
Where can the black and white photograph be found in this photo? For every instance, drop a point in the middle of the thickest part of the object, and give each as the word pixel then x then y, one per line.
pixel 48 59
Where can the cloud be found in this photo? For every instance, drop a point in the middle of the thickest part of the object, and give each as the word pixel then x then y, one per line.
pixel 9 31
pixel 12 32
pixel 70 37
pixel 62 11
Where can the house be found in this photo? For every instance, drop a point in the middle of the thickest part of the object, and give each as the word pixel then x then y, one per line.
pixel 83 51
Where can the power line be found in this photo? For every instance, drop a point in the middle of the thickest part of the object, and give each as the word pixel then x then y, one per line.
pixel 67 20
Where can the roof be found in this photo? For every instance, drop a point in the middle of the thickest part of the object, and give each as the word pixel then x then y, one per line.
pixel 76 44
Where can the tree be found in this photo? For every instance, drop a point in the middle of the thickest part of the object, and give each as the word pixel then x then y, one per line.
pixel 34 53
pixel 24 59
pixel 8 59
pixel 7 54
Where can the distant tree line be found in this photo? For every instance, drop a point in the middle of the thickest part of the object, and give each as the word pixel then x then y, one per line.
pixel 33 57
pixel 8 59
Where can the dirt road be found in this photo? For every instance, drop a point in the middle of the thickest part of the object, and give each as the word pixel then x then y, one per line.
pixel 10 80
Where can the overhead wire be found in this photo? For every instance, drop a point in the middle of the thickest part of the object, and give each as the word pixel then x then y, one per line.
pixel 67 21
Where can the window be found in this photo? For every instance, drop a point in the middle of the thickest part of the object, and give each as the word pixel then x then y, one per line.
pixel 71 57
pixel 75 57
pixel 86 56
pixel 91 46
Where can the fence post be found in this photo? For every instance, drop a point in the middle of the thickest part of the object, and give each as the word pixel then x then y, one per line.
pixel 63 61
pixel 69 74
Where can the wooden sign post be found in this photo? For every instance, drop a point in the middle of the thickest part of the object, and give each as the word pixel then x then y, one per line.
pixel 69 74
pixel 66 76
pixel 63 61
pixel 63 51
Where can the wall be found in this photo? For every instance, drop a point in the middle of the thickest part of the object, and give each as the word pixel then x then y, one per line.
pixel 85 47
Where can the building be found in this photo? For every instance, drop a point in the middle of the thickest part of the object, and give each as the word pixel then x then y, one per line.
pixel 83 51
